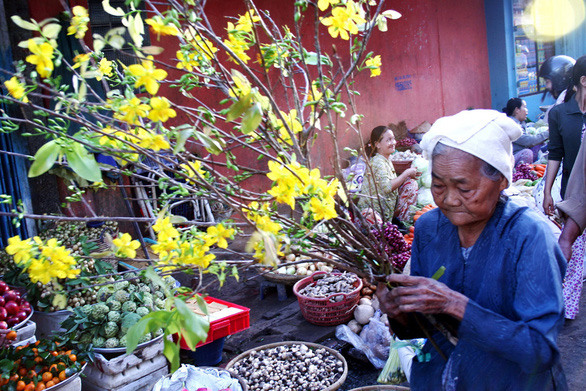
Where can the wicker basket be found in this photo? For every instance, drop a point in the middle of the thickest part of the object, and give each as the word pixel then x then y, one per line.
pixel 381 388
pixel 310 345
pixel 401 165
pixel 327 311
pixel 280 278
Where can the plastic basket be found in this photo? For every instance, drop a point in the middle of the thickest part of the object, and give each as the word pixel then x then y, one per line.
pixel 327 311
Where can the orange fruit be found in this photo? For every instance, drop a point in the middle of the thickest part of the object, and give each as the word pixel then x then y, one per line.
pixel 50 383
pixel 30 387
pixel 62 375
pixel 38 359
pixel 22 371
pixel 20 385
pixel 54 353
pixel 47 376
pixel 14 377
pixel 73 357
pixel 56 380
pixel 40 386
pixel 11 336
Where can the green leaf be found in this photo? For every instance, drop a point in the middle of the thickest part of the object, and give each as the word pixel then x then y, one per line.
pixel 44 159
pixel 182 138
pixel 23 24
pixel 173 219
pixel 146 324
pixel 211 145
pixel 201 303
pixel 252 119
pixel 171 351
pixel 111 10
pixel 439 273
pixel 153 277
pixel 194 328
pixel 51 30
pixel 83 163
pixel 152 50
pixel 59 301
pixel 239 107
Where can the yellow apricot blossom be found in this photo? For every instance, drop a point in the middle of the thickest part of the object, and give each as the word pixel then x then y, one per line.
pixel 159 27
pixel 16 89
pixel 246 21
pixel 104 68
pixel 132 111
pixel 79 22
pixel 219 233
pixel 125 246
pixel 375 64
pixel 20 249
pixel 165 229
pixel 193 170
pixel 323 209
pixel 147 75
pixel 324 4
pixel 42 57
pixel 161 109
pixel 344 20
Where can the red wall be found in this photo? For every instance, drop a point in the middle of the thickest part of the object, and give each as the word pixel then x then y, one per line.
pixel 434 63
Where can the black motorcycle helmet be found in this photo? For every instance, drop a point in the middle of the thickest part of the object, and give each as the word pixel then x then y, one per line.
pixel 558 69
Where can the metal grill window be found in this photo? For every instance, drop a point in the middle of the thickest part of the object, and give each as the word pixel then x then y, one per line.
pixel 102 22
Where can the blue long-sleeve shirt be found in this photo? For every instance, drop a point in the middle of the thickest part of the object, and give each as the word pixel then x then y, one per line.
pixel 513 278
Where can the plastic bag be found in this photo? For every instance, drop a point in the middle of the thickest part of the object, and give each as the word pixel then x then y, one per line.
pixel 193 378
pixel 555 191
pixel 374 340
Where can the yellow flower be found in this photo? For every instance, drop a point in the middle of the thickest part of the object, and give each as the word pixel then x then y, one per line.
pixel 150 140
pixel 147 75
pixel 131 111
pixel 245 21
pixel 125 246
pixel 161 109
pixel 283 194
pixel 204 47
pixel 42 57
pixel 237 44
pixel 324 4
pixel 375 63
pixel 219 234
pixel 159 27
pixel 191 169
pixel 293 124
pixel 80 59
pixel 20 249
pixel 165 229
pixel 79 22
pixel 16 89
pixel 104 68
pixel 322 209
pixel 38 271
pixel 343 21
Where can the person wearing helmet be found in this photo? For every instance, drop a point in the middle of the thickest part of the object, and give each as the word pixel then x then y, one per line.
pixel 557 72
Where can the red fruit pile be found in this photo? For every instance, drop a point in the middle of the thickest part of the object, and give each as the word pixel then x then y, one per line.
pixel 13 308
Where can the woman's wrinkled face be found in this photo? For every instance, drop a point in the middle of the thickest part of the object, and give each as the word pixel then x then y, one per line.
pixel 386 145
pixel 464 195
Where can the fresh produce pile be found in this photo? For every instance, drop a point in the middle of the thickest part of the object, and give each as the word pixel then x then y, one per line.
pixel 411 235
pixel 40 365
pixel 120 305
pixel 294 367
pixel 398 250
pixel 297 267
pixel 406 142
pixel 524 171
pixel 330 284
pixel 405 155
pixel 13 308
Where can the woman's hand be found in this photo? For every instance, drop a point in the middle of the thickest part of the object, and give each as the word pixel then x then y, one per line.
pixel 412 173
pixel 420 294
pixel 548 206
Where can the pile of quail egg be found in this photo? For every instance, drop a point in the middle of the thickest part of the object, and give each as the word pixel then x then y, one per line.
pixel 294 367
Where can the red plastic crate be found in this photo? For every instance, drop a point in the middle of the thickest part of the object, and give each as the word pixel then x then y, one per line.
pixel 224 326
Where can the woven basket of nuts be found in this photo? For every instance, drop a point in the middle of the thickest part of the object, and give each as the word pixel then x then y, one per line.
pixel 328 299
pixel 291 366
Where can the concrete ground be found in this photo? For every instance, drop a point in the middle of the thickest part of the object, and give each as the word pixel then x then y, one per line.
pixel 272 320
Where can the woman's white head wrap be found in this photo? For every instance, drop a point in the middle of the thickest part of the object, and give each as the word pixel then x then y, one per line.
pixel 486 134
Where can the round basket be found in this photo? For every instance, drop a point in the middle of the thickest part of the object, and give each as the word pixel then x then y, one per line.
pixel 310 345
pixel 401 165
pixel 328 311
pixel 219 371
pixel 386 387
pixel 280 278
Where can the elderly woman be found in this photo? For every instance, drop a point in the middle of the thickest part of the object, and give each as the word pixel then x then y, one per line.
pixel 501 290
pixel 387 193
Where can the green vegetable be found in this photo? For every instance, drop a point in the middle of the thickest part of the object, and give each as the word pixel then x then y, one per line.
pixel 121 296
pixel 392 372
pixel 99 311
pixel 99 342
pixel 114 304
pixel 129 306
pixel 142 311
pixel 114 316
pixel 110 329
pixel 111 343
